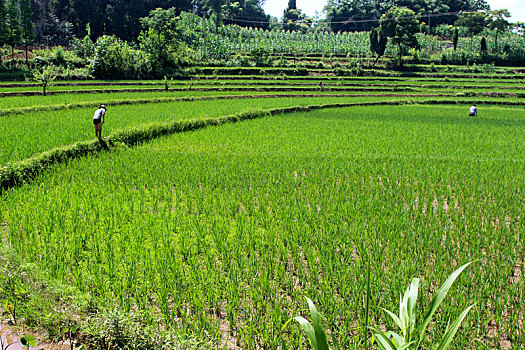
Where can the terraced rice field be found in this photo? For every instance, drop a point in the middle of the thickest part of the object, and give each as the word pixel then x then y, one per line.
pixel 220 232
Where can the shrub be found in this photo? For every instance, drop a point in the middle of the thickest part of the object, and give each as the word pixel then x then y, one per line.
pixel 115 58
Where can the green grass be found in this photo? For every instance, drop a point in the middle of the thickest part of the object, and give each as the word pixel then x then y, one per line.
pixel 25 135
pixel 227 228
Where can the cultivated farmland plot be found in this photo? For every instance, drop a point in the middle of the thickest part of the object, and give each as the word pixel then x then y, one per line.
pixel 223 231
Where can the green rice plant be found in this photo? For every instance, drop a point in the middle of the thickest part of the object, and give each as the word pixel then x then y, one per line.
pixel 221 231
pixel 314 330
pixel 24 136
pixel 412 330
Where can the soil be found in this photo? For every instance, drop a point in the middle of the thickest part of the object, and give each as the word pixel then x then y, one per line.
pixel 11 335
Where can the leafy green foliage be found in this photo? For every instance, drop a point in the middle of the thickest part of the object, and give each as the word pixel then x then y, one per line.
pixel 28 341
pixel 475 22
pixel 401 25
pixel 114 58
pixel 497 21
pixel 161 40
pixel 45 77
pixel 294 20
pixel 314 330
pixel 412 331
pixel 378 42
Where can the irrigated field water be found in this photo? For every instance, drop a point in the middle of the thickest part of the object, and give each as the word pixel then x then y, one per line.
pixel 224 230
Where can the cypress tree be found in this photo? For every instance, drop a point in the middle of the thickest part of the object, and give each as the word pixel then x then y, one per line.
pixel 373 40
pixel 4 32
pixel 13 25
pixel 26 25
pixel 455 37
pixel 483 48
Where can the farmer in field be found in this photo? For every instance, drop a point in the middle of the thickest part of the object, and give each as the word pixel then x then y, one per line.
pixel 473 111
pixel 99 119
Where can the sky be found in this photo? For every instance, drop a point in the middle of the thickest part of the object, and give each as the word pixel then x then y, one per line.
pixel 310 7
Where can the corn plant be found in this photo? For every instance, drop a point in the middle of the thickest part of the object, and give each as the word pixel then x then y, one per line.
pixel 412 332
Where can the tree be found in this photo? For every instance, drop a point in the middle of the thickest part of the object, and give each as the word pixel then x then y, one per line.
pixel 455 37
pixel 215 7
pixel 378 41
pixel 161 39
pixel 13 25
pixel 473 21
pixel 26 25
pixel 294 19
pixel 4 30
pixel 360 15
pixel 352 15
pixel 246 13
pixel 483 46
pixel 45 77
pixel 55 32
pixel 497 21
pixel 400 24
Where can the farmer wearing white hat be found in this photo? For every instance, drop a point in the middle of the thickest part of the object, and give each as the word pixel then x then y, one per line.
pixel 98 119
pixel 473 111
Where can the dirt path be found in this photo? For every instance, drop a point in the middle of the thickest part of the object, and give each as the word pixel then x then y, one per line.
pixel 11 336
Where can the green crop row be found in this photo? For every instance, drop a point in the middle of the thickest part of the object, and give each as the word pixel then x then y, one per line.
pixel 15 173
pixel 37 132
pixel 224 230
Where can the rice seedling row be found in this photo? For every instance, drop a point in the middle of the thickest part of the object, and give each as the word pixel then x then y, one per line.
pixel 233 225
pixel 25 135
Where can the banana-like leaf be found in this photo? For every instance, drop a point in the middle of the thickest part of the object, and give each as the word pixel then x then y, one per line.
pixel 395 318
pixel 440 295
pixel 412 304
pixel 407 345
pixel 320 336
pixel 403 312
pixel 308 329
pixel 382 340
pixel 451 332
pixel 399 341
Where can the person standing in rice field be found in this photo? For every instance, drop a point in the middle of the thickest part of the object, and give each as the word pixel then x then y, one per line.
pixel 98 119
pixel 473 111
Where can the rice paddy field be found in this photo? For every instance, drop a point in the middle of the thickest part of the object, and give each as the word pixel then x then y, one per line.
pixel 221 232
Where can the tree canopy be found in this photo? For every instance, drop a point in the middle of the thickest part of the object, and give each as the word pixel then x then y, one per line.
pixel 121 17
pixel 361 15
pixel 400 24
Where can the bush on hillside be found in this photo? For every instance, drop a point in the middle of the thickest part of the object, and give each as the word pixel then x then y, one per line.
pixel 116 59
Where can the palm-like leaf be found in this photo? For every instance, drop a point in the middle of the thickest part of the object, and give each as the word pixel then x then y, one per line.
pixel 440 295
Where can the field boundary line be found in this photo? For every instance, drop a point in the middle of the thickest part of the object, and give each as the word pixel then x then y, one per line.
pixel 205 89
pixel 16 173
pixel 368 88
pixel 43 108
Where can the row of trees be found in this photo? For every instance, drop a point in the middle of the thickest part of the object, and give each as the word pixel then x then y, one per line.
pixel 55 22
pixel 16 23
pixel 121 17
pixel 362 15
pixel 401 24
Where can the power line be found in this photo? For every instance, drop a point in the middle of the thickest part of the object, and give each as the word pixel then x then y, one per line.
pixel 351 20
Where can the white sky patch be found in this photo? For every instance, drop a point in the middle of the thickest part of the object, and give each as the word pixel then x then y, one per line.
pixel 517 11
pixel 310 7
